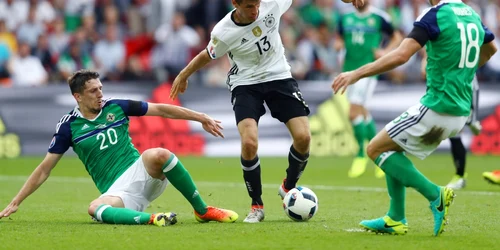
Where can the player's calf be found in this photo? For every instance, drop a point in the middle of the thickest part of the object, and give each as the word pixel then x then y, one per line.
pixel 297 163
pixel 119 215
pixel 299 152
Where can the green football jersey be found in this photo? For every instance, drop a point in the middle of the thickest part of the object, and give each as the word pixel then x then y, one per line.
pixel 103 144
pixel 456 34
pixel 363 34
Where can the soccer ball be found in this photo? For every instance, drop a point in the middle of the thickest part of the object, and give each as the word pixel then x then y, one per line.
pixel 300 204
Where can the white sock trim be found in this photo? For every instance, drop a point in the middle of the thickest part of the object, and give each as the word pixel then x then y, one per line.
pixel 297 158
pixel 172 164
pixel 384 157
pixel 252 167
pixel 98 213
pixel 359 119
pixel 368 119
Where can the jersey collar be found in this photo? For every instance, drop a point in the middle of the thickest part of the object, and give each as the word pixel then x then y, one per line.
pixel 366 13
pixel 238 24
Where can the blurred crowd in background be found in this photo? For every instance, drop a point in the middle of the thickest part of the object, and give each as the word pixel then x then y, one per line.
pixel 43 41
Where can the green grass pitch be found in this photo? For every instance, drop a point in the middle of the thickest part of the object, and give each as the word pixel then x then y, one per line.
pixel 55 217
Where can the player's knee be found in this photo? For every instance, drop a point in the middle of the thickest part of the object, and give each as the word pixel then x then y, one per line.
pixel 355 110
pixel 249 145
pixel 302 140
pixel 162 155
pixel 93 207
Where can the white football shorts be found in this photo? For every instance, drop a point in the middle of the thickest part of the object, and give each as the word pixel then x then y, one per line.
pixel 419 130
pixel 361 92
pixel 136 187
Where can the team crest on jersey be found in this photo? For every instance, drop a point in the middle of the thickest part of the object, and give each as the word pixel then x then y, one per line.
pixel 214 41
pixel 110 117
pixel 371 21
pixel 257 31
pixel 269 21
pixel 212 52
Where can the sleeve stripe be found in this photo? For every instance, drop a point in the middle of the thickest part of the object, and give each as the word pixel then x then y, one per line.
pixel 64 119
pixel 423 14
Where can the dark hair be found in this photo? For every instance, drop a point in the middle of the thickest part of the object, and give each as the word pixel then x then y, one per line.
pixel 79 78
pixel 241 1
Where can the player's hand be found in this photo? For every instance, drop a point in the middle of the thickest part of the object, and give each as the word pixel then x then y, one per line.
pixel 212 126
pixel 343 80
pixel 10 209
pixel 180 85
pixel 355 3
pixel 358 3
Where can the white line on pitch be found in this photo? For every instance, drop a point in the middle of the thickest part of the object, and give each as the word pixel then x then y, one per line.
pixel 61 179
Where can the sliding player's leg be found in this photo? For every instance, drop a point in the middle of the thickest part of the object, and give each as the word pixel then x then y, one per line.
pixel 160 163
pixel 111 210
pixel 124 203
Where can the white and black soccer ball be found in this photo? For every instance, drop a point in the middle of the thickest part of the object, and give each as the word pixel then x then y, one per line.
pixel 300 204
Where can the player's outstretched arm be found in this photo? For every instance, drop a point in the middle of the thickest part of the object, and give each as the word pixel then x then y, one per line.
pixel 181 81
pixel 36 179
pixel 394 41
pixel 486 52
pixel 389 61
pixel 210 125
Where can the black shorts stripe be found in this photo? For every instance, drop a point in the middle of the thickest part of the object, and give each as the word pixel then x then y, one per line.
pixel 409 120
pixel 422 114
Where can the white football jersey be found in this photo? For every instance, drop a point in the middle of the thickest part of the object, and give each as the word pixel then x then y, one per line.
pixel 255 50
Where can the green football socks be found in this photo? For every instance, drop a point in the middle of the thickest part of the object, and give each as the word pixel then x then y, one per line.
pixel 358 126
pixel 397 193
pixel 117 215
pixel 370 128
pixel 399 167
pixel 182 181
